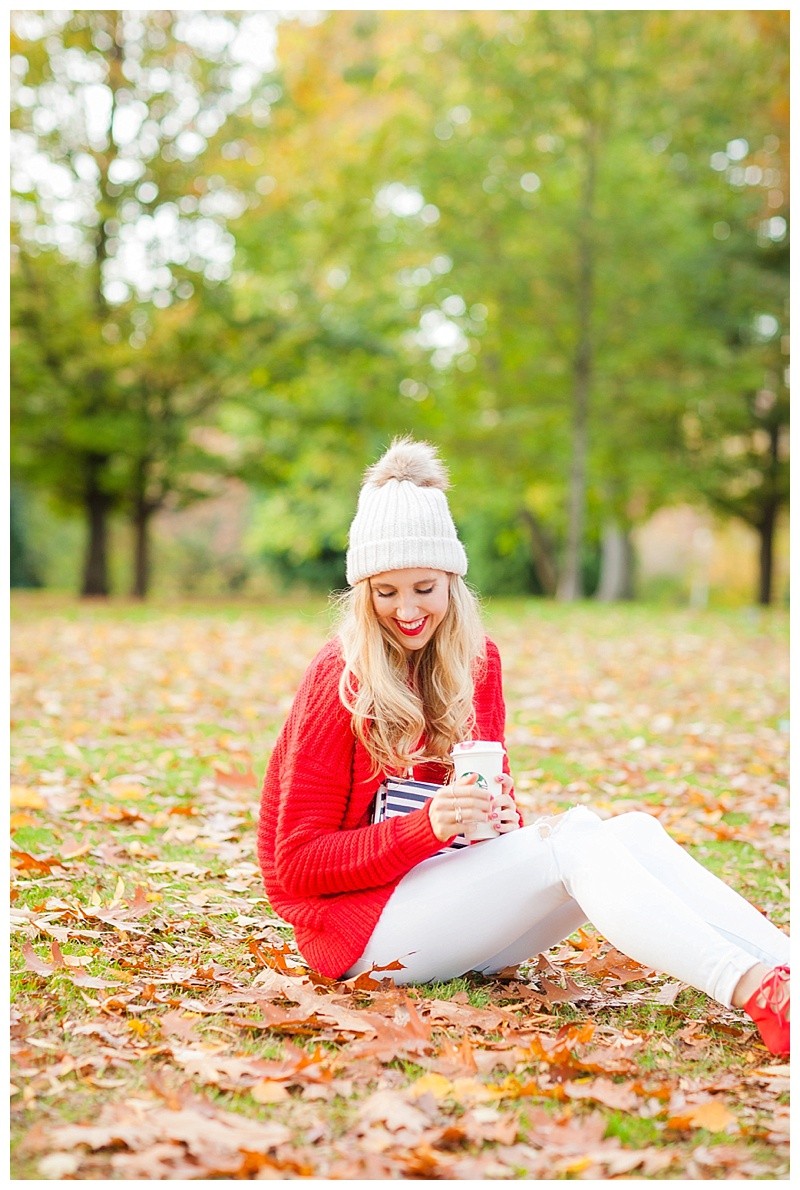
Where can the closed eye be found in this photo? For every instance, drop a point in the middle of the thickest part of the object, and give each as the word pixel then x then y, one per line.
pixel 391 594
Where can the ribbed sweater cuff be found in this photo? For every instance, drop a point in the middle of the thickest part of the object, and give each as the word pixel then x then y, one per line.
pixel 417 836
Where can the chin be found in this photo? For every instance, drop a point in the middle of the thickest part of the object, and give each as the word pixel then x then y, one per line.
pixel 413 644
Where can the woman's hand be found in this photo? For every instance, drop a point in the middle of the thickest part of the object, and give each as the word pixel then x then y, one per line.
pixel 504 816
pixel 453 808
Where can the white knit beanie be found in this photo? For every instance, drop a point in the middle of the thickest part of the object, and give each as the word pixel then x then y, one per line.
pixel 403 519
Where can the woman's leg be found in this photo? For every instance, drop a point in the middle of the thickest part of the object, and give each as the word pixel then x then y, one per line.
pixel 451 912
pixel 469 909
pixel 731 915
pixel 717 903
pixel 642 915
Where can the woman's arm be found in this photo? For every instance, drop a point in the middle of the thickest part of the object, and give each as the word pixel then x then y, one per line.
pixel 346 860
pixel 312 784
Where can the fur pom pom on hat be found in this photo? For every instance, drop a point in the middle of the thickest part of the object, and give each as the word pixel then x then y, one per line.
pixel 403 519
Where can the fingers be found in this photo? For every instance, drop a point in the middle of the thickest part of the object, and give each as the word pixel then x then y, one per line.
pixel 503 798
pixel 507 820
pixel 470 796
pixel 505 816
pixel 471 805
pixel 453 808
pixel 466 787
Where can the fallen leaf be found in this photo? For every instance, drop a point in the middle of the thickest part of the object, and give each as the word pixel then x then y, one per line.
pixel 603 1090
pixel 93 981
pixel 156 1136
pixel 431 1084
pixel 56 1166
pixel 711 1114
pixel 177 1024
pixel 231 1072
pixel 237 778
pixel 19 819
pixel 34 963
pixel 393 1110
pixel 23 861
pixel 269 1091
pixel 22 797
pixel 128 793
pixel 141 903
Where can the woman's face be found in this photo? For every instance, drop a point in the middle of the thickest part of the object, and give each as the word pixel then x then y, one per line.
pixel 411 603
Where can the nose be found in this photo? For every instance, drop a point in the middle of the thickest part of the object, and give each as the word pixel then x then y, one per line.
pixel 408 608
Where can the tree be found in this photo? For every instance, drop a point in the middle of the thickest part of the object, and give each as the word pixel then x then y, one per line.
pixel 736 421
pixel 64 432
pixel 118 119
pixel 177 451
pixel 567 158
pixel 323 379
pixel 738 436
pixel 536 153
pixel 499 229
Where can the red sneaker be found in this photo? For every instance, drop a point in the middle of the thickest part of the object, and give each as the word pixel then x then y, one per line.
pixel 769 1008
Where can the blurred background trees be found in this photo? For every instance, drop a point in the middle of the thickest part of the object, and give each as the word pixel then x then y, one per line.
pixel 250 249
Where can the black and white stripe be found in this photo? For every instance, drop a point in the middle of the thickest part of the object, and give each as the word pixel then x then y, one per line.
pixel 401 795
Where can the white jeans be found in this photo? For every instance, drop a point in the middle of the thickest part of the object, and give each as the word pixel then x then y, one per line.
pixel 505 900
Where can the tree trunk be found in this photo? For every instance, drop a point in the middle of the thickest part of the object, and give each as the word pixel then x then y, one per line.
pixel 97 505
pixel 571 584
pixel 766 534
pixel 616 567
pixel 767 523
pixel 141 552
pixel 542 553
pixel 141 516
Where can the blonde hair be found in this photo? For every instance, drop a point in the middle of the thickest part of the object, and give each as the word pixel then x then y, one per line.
pixel 394 697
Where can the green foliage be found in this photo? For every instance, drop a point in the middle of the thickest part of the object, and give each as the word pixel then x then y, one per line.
pixel 499 557
pixel 24 566
pixel 463 225
pixel 119 340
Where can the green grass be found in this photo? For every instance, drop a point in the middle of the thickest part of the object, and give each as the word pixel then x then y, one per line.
pixel 635 1132
pixel 478 996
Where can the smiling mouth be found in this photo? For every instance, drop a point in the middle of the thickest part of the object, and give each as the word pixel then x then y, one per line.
pixel 413 628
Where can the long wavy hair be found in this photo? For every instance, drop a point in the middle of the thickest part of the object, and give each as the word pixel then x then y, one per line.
pixel 397 698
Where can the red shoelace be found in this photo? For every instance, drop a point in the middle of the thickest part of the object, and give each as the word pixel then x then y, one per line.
pixel 769 1008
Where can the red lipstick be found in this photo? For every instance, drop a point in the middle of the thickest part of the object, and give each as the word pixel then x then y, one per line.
pixel 412 631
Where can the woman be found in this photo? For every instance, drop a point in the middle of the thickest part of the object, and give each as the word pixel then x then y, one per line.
pixel 409 674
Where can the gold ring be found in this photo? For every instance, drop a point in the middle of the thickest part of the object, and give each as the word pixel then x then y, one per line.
pixel 458 813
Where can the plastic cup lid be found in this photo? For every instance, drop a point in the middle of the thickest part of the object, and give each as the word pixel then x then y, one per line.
pixel 477 746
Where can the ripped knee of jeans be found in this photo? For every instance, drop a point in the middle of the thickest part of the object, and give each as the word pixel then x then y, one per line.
pixel 547 825
pixel 550 824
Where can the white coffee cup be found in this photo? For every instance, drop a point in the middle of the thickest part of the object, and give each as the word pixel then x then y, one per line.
pixel 484 758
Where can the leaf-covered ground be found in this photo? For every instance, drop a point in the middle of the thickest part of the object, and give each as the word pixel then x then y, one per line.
pixel 163 1025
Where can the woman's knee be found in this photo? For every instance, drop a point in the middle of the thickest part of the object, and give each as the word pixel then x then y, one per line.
pixel 634 824
pixel 576 819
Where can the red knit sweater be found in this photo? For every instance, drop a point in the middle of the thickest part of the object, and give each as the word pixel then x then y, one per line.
pixel 327 869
